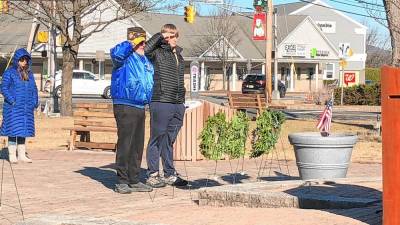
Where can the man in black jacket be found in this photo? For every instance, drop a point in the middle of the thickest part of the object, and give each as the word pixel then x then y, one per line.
pixel 167 105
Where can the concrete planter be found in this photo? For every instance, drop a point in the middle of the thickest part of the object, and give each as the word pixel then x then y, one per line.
pixel 320 157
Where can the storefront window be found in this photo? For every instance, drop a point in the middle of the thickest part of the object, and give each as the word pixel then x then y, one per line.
pixel 329 71
pixel 88 67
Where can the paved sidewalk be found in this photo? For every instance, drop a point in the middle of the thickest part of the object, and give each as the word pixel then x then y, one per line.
pixel 81 184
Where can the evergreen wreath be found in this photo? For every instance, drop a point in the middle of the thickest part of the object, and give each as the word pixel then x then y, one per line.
pixel 213 141
pixel 236 135
pixel 266 134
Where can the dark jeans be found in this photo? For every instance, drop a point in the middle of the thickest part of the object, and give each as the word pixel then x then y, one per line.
pixel 130 124
pixel 166 121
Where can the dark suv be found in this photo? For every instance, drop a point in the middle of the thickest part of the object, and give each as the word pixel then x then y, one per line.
pixel 255 83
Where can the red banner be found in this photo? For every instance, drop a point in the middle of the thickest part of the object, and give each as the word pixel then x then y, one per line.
pixel 259 27
pixel 349 78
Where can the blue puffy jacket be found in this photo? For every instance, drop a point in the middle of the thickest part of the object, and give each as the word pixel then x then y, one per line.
pixel 132 76
pixel 20 100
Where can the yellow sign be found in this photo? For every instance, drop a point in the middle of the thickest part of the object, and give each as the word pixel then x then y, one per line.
pixel 42 37
pixel 343 63
pixel 350 52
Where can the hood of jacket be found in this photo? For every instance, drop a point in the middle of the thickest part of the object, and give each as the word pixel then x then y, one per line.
pixel 19 54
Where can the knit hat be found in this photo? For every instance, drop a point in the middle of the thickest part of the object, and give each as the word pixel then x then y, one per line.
pixel 136 35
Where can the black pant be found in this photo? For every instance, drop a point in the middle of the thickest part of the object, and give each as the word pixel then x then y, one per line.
pixel 166 121
pixel 130 125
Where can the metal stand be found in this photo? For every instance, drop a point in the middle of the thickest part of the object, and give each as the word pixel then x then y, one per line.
pixel 4 160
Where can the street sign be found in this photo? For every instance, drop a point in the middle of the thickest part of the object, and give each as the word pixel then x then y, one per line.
pixel 194 76
pixel 343 63
pixel 100 55
pixel 259 27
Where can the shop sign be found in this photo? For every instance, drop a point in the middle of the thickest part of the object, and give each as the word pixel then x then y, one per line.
pixel 318 53
pixel 349 78
pixel 328 27
pixel 344 50
pixel 298 50
pixel 194 76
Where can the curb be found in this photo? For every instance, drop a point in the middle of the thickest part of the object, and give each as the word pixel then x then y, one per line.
pixel 272 195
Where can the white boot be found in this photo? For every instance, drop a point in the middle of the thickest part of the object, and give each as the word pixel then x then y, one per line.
pixel 12 153
pixel 22 154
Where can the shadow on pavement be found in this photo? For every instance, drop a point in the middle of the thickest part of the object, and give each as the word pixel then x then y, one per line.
pixel 235 178
pixel 279 176
pixel 366 126
pixel 360 202
pixel 106 175
pixel 201 183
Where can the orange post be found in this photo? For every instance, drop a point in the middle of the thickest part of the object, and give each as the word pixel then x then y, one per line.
pixel 390 95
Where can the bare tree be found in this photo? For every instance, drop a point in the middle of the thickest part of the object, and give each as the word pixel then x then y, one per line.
pixel 77 20
pixel 377 48
pixel 220 39
pixel 392 8
pixel 388 15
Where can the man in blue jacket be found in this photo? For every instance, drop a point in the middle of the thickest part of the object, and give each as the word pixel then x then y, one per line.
pixel 131 90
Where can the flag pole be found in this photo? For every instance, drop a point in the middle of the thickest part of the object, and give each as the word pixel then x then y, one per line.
pixel 12 55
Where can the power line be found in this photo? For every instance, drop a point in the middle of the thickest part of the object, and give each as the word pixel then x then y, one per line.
pixel 341 10
pixel 369 3
pixel 358 6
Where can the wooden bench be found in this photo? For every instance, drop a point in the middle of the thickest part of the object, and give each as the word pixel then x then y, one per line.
pixel 92 117
pixel 250 101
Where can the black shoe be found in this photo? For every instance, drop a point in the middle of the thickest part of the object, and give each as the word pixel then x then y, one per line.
pixel 140 187
pixel 175 180
pixel 122 189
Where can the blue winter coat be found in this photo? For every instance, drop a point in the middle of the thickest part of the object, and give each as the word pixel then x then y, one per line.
pixel 132 76
pixel 20 100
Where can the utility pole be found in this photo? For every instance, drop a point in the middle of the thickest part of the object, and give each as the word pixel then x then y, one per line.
pixel 275 93
pixel 52 59
pixel 268 52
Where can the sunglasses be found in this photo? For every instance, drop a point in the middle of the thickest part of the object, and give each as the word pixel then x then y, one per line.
pixel 141 43
pixel 171 37
pixel 24 59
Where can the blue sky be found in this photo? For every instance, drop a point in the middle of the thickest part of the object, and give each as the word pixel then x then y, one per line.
pixel 356 6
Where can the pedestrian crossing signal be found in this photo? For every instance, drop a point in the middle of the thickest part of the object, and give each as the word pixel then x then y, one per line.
pixel 190 13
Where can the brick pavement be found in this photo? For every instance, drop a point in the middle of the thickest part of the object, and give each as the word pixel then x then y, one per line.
pixel 80 184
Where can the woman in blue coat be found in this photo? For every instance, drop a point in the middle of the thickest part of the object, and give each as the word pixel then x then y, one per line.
pixel 20 100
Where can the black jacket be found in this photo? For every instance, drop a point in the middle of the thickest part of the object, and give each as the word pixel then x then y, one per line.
pixel 169 83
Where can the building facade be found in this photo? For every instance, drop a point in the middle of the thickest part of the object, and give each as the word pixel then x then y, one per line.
pixel 308 51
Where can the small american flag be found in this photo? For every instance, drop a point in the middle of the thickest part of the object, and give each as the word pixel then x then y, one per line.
pixel 324 123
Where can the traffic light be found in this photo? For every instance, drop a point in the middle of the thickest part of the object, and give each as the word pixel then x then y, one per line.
pixel 260 3
pixel 190 13
pixel 4 6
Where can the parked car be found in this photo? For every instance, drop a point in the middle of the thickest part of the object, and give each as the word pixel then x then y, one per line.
pixel 255 83
pixel 84 83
